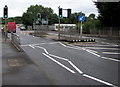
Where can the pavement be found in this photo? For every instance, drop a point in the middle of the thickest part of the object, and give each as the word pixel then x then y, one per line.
pixel 19 69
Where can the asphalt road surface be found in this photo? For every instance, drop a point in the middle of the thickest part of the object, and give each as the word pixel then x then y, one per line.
pixel 74 64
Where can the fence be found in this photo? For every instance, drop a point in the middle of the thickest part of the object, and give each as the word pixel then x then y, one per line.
pixel 70 33
pixel 66 32
pixel 16 41
pixel 106 32
pixel 40 30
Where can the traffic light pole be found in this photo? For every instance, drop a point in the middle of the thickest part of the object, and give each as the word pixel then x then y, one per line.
pixel 5 30
pixel 59 26
pixel 59 29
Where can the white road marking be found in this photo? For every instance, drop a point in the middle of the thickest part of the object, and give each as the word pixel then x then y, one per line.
pixel 110 53
pixel 96 79
pixel 43 49
pixel 62 44
pixel 32 46
pixel 110 59
pixel 76 48
pixel 85 75
pixel 59 63
pixel 75 67
pixel 39 44
pixel 103 42
pixel 115 45
pixel 58 57
pixel 53 42
pixel 102 48
pixel 93 53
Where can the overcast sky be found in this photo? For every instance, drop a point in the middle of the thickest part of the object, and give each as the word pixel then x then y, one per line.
pixel 17 7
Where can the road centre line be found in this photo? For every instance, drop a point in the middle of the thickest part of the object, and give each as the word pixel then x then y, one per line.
pixel 96 79
pixel 59 63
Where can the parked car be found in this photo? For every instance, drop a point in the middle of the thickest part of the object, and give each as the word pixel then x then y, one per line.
pixel 22 28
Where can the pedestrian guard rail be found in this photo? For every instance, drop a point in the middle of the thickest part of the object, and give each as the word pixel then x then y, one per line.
pixel 16 40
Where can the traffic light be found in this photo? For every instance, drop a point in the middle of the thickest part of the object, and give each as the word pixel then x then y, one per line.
pixel 38 16
pixel 69 13
pixel 60 12
pixel 5 11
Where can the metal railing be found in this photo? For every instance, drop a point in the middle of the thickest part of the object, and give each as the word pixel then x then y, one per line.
pixel 16 41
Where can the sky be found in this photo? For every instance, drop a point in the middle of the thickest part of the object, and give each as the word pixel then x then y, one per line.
pixel 17 7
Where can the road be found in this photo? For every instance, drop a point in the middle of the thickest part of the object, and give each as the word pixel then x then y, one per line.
pixel 74 64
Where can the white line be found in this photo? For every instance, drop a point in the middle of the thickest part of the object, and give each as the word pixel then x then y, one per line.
pixel 32 46
pixel 115 45
pixel 103 42
pixel 59 63
pixel 85 75
pixel 62 44
pixel 93 53
pixel 101 48
pixel 110 59
pixel 107 43
pixel 78 48
pixel 104 82
pixel 43 49
pixel 58 57
pixel 53 42
pixel 110 53
pixel 75 67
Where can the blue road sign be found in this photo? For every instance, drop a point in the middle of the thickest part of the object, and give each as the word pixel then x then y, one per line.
pixel 81 18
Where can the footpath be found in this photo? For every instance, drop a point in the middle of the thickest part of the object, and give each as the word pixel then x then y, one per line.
pixel 18 69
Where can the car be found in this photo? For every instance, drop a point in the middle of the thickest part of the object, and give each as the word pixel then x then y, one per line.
pixel 22 28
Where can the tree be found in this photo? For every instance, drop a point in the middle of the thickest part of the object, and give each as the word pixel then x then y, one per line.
pixel 109 13
pixel 27 19
pixel 30 16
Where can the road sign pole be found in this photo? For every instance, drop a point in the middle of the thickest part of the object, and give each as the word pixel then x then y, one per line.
pixel 81 18
pixel 81 30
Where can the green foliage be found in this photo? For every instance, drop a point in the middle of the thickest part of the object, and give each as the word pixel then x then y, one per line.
pixel 109 13
pixel 30 16
pixel 17 19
